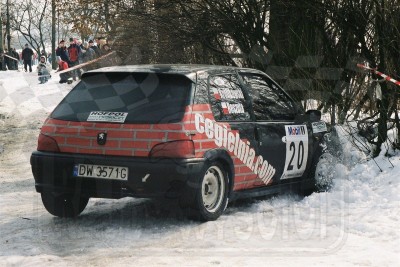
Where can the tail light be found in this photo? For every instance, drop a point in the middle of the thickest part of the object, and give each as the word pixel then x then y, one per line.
pixel 173 149
pixel 47 143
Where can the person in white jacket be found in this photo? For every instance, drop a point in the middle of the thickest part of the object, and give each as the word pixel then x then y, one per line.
pixel 43 70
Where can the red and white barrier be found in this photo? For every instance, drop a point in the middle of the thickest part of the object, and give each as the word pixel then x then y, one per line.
pixel 386 77
pixel 86 63
pixel 10 57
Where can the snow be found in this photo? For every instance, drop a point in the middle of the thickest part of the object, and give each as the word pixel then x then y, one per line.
pixel 355 223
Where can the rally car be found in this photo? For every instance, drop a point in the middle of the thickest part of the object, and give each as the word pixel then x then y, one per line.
pixel 203 135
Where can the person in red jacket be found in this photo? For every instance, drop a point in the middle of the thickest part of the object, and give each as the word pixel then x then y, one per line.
pixel 63 65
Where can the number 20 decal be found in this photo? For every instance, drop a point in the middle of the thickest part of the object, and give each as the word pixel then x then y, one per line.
pixel 300 155
pixel 296 151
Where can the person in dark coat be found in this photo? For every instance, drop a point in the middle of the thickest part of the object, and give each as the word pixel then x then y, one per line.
pixel 95 48
pixel 27 54
pixel 62 52
pixel 16 56
pixel 6 60
pixel 88 54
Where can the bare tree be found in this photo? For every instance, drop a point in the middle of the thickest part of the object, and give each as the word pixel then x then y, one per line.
pixel 33 22
pixel 315 41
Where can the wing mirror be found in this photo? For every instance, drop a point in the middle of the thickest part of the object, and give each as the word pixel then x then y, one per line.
pixel 314 115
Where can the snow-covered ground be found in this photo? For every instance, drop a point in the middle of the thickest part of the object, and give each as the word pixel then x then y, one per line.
pixel 356 223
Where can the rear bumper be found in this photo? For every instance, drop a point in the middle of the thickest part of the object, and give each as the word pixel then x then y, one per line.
pixel 166 177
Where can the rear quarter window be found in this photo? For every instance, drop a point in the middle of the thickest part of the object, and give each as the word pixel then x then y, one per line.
pixel 228 101
pixel 146 97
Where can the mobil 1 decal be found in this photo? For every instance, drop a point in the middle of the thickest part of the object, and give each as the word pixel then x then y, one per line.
pixel 296 140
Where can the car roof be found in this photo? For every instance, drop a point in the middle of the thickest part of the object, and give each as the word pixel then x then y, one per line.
pixel 187 70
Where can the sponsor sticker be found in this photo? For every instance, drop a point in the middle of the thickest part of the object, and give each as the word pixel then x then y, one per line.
pixel 219 81
pixel 227 93
pixel 232 108
pixel 319 127
pixel 107 116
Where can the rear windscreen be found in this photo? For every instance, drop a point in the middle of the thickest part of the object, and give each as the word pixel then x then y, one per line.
pixel 139 97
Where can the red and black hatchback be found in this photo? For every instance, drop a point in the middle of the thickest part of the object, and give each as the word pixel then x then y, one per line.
pixel 201 134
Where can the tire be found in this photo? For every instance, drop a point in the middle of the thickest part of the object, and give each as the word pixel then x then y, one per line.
pixel 207 199
pixel 324 172
pixel 64 205
pixel 321 176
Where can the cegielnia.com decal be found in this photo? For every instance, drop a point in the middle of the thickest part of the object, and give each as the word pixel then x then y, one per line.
pixel 232 142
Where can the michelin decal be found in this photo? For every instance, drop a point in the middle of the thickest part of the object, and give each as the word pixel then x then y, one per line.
pixel 232 142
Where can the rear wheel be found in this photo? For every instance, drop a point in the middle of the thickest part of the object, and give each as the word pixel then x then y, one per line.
pixel 64 205
pixel 209 197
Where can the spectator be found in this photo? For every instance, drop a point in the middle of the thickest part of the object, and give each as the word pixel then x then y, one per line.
pixel 2 62
pixel 49 57
pixel 101 41
pixel 43 54
pixel 27 54
pixel 6 60
pixel 43 70
pixel 110 60
pixel 87 55
pixel 95 48
pixel 16 56
pixel 61 51
pixel 106 48
pixel 35 58
pixel 21 61
pixel 80 44
pixel 63 65
pixel 74 51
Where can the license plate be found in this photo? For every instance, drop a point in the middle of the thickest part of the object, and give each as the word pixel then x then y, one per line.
pixel 100 171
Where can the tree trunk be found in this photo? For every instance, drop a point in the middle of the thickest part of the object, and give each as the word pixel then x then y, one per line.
pixel 293 42
pixel 53 34
pixel 383 107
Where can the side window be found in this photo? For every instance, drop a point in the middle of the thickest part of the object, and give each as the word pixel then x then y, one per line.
pixel 269 101
pixel 227 100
